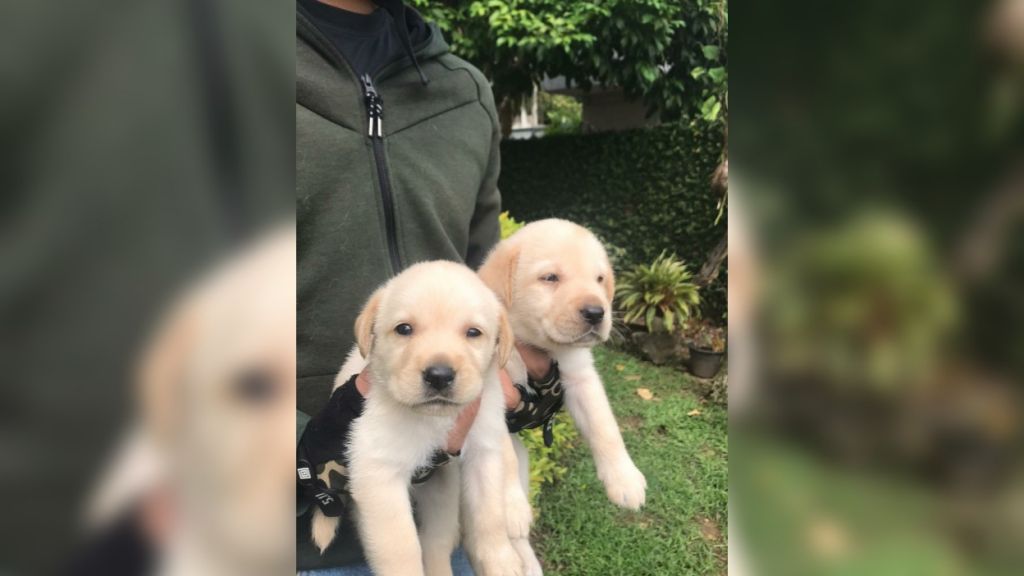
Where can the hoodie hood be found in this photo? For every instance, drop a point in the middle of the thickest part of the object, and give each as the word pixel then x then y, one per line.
pixel 409 25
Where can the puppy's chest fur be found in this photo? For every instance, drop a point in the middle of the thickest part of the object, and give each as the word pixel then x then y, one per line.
pixel 392 439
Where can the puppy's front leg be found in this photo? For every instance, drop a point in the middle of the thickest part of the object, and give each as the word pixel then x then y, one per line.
pixel 588 404
pixel 518 514
pixel 483 473
pixel 437 502
pixel 386 525
pixel 517 485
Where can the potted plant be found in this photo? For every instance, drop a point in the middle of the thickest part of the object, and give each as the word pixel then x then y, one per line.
pixel 656 300
pixel 707 349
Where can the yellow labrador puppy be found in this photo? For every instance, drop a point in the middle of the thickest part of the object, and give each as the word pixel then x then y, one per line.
pixel 212 456
pixel 555 279
pixel 433 339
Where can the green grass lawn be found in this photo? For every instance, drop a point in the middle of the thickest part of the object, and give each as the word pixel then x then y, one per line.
pixel 682 529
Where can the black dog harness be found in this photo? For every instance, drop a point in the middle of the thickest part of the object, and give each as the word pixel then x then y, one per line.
pixel 322 459
pixel 539 403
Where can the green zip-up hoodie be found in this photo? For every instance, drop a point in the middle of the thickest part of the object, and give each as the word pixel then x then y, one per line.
pixel 369 206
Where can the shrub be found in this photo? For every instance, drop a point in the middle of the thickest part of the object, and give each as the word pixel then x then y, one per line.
pixel 642 190
pixel 714 390
pixel 616 254
pixel 704 336
pixel 547 465
pixel 562 114
pixel 661 291
pixel 509 225
pixel 865 305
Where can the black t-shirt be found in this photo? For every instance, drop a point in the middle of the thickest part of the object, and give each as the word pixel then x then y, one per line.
pixel 367 41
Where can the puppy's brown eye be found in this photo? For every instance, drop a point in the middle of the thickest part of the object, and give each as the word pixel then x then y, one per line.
pixel 403 329
pixel 550 277
pixel 600 279
pixel 255 385
pixel 474 333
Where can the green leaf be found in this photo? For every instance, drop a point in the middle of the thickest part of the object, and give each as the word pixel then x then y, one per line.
pixel 714 111
pixel 710 51
pixel 649 73
pixel 650 317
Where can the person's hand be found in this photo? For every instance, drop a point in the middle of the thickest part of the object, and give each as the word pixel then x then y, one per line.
pixel 538 367
pixel 157 514
pixel 538 362
pixel 533 403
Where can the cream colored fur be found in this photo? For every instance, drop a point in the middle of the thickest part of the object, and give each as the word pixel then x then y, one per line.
pixel 545 274
pixel 400 430
pixel 222 458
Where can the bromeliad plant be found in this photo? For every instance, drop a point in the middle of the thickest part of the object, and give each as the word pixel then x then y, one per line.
pixel 658 293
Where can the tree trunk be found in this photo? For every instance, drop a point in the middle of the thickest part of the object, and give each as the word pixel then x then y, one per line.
pixel 713 264
pixel 506 113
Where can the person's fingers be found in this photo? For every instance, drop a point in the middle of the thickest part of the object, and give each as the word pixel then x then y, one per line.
pixel 156 511
pixel 457 437
pixel 512 396
pixel 538 363
pixel 363 382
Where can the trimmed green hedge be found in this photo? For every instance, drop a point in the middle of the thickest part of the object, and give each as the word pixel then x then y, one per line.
pixel 642 191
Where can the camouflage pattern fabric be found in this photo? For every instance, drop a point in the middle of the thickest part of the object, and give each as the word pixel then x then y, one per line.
pixel 540 401
pixel 322 456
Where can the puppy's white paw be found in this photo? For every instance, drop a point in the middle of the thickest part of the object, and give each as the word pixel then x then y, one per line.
pixel 625 485
pixel 518 515
pixel 499 559
pixel 531 566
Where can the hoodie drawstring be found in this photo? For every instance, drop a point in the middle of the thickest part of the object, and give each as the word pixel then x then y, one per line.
pixel 397 10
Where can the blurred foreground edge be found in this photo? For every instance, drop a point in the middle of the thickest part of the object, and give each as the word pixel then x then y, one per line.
pixel 875 396
pixel 144 143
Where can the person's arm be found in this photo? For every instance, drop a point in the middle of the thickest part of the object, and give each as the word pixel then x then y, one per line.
pixel 484 229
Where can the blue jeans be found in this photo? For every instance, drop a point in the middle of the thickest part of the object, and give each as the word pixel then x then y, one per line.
pixel 460 567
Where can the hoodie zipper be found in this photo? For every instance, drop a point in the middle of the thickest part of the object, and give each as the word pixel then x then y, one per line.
pixel 375 130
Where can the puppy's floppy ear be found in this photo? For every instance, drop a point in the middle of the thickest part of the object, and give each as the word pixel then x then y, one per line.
pixel 506 339
pixel 163 368
pixel 499 271
pixel 365 321
pixel 609 285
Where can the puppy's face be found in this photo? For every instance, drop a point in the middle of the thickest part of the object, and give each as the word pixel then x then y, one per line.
pixel 219 392
pixel 557 282
pixel 431 334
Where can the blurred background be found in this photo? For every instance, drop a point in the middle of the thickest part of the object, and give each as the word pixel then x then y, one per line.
pixel 877 288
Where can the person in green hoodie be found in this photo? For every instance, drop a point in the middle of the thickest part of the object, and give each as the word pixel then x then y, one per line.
pixel 397 161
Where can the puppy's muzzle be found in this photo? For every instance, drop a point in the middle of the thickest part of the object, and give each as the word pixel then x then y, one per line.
pixel 593 315
pixel 439 377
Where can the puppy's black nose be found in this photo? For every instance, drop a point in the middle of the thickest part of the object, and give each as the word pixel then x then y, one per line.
pixel 439 377
pixel 592 314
